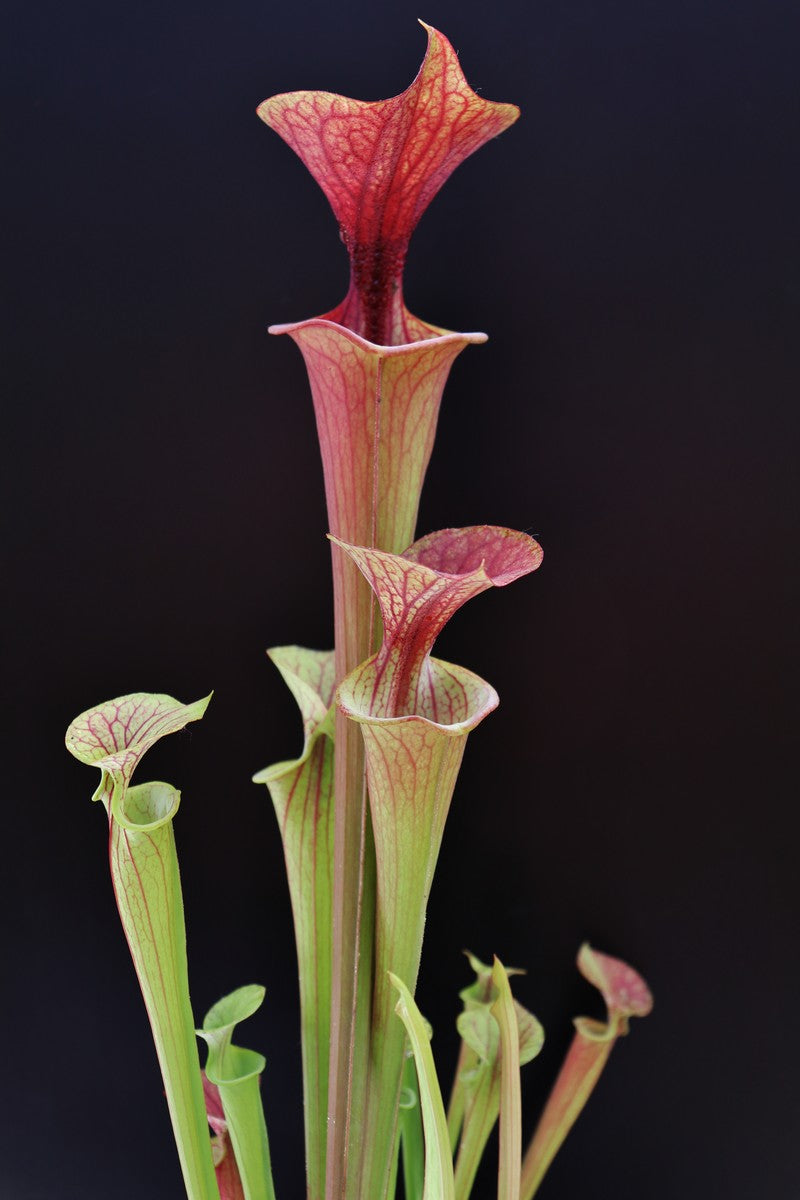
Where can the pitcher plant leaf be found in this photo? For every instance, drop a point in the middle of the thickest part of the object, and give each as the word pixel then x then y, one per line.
pixel 626 995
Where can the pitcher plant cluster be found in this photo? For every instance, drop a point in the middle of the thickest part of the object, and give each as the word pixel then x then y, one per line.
pixel 362 811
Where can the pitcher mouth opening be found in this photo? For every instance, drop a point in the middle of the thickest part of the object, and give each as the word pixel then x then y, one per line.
pixel 422 333
pixel 453 704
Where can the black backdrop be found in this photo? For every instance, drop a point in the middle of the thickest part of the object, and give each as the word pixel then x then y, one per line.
pixel 632 248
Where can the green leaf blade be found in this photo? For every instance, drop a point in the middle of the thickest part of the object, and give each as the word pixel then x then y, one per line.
pixel 438 1181
pixel 301 791
pixel 480 1079
pixel 508 1179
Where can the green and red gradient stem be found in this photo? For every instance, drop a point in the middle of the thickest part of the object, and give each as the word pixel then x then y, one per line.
pixel 415 713
pixel 626 995
pixel 377 375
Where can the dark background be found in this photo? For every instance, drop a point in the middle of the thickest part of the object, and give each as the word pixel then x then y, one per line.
pixel 632 248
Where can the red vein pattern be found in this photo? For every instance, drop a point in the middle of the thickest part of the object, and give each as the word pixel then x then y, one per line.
pixel 418 592
pixel 114 736
pixel 380 164
pixel 377 374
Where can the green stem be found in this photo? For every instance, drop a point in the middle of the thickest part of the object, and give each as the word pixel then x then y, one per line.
pixel 144 868
pixel 438 1178
pixel 244 1113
